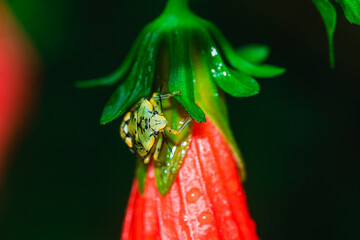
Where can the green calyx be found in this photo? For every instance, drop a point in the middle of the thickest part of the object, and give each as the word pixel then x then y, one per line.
pixel 175 30
pixel 180 51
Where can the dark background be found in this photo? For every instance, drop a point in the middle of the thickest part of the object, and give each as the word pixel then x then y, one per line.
pixel 70 177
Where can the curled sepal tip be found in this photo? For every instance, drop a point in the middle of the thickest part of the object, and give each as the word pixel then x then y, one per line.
pixel 254 53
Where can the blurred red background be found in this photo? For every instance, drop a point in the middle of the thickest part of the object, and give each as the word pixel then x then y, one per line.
pixel 18 68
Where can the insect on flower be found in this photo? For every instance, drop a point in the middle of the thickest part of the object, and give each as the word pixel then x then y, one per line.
pixel 142 125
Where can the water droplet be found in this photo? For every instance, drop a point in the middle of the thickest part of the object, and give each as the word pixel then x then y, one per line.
pixel 173 169
pixel 213 51
pixel 185 219
pixel 193 195
pixel 232 186
pixel 205 218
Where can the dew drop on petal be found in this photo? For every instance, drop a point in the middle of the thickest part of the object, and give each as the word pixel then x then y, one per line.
pixel 205 218
pixel 232 186
pixel 193 195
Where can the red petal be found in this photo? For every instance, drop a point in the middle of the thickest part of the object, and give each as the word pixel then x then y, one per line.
pixel 206 201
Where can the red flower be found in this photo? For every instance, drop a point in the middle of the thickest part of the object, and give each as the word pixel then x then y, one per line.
pixel 206 201
pixel 17 68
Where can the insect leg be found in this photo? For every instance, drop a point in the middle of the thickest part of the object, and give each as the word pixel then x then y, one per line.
pixel 158 147
pixel 182 127
pixel 156 106
pixel 165 96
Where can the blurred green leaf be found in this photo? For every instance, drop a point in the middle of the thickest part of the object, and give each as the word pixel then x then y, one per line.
pixel 181 73
pixel 254 53
pixel 351 9
pixel 328 14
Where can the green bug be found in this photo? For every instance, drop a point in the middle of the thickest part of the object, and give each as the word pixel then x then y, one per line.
pixel 143 127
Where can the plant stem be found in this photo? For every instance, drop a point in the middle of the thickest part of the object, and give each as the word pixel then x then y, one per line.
pixel 176 6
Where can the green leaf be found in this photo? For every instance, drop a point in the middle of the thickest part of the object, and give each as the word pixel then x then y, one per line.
pixel 237 84
pixel 121 72
pixel 351 10
pixel 172 156
pixel 255 70
pixel 140 173
pixel 139 82
pixel 181 73
pixel 254 53
pixel 328 14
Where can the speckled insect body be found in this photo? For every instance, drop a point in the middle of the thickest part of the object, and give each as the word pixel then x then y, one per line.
pixel 143 127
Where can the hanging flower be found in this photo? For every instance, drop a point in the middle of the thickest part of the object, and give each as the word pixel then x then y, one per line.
pixel 193 190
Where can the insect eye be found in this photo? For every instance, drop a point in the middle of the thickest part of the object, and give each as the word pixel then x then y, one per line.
pixel 156 132
pixel 155 112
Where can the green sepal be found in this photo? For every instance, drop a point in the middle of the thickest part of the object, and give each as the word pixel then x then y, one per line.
pixel 254 53
pixel 328 14
pixel 172 156
pixel 121 72
pixel 139 82
pixel 237 84
pixel 236 61
pixel 212 100
pixel 181 72
pixel 351 10
pixel 140 173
